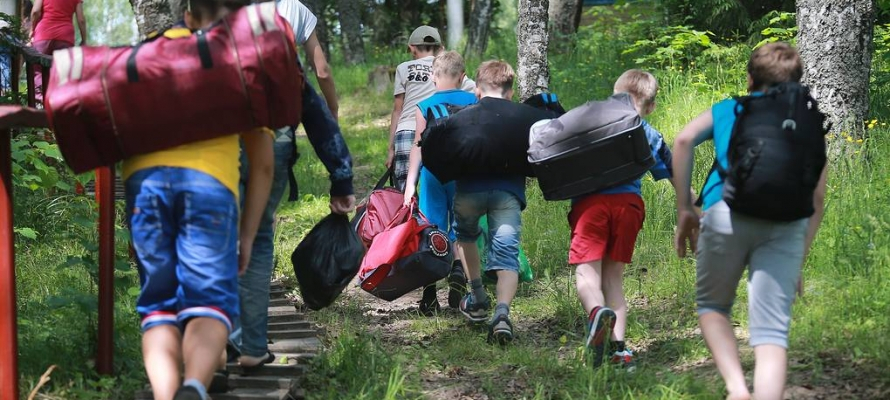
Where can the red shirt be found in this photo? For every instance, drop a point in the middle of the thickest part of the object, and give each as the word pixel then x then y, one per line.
pixel 56 23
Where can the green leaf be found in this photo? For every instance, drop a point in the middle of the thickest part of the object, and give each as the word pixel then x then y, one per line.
pixel 134 291
pixel 26 232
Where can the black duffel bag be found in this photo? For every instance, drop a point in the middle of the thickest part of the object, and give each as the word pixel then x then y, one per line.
pixel 326 260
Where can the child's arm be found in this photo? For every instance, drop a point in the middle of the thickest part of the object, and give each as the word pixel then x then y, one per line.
pixel 258 146
pixel 315 57
pixel 815 220
pixel 415 159
pixel 398 103
pixel 81 23
pixel 36 15
pixel 694 133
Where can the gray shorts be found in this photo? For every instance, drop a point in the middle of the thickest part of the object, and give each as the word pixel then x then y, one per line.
pixel 772 251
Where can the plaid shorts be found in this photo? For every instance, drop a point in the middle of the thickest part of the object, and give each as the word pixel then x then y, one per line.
pixel 404 141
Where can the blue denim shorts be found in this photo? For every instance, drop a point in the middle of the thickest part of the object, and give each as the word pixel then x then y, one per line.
pixel 184 228
pixel 504 225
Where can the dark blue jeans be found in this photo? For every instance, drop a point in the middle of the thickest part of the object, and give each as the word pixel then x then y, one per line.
pixel 250 334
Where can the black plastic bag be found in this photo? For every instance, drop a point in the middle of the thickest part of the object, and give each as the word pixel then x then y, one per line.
pixel 326 260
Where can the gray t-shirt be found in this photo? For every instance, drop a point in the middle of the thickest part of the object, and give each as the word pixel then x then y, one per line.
pixel 415 79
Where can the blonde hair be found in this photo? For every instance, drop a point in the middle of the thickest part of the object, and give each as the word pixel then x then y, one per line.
pixel 774 63
pixel 495 75
pixel 449 64
pixel 640 85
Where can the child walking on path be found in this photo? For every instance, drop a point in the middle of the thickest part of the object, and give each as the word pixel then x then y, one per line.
pixel 319 120
pixel 183 212
pixel 604 229
pixel 413 83
pixel 501 199
pixel 436 200
pixel 729 241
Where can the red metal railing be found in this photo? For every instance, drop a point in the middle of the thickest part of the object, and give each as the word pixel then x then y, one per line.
pixel 9 389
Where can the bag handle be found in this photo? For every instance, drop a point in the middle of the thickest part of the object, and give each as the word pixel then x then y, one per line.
pixel 404 212
pixel 382 181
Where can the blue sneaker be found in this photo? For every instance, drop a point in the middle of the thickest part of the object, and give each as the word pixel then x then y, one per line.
pixel 475 312
pixel 601 322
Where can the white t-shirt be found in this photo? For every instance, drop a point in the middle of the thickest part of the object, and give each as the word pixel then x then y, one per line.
pixel 415 79
pixel 300 18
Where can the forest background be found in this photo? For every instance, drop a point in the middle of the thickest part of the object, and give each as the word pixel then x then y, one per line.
pixel 696 48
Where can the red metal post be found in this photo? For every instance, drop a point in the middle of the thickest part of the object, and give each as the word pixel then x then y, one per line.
pixel 9 373
pixel 105 198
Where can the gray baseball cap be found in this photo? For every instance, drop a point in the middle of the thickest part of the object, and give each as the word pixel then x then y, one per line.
pixel 425 35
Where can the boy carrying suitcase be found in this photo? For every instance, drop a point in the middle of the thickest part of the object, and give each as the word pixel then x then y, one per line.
pixel 763 203
pixel 604 229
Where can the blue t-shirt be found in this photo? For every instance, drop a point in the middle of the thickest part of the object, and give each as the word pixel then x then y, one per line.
pixel 661 170
pixel 451 96
pixel 723 114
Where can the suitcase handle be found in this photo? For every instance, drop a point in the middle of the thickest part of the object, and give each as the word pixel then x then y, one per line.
pixel 203 53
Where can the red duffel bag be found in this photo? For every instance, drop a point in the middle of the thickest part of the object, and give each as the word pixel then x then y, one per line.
pixel 106 104
pixel 377 211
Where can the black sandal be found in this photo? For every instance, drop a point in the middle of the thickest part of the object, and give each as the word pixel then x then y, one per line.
pixel 255 368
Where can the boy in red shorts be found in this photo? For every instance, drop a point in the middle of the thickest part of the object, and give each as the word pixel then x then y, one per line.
pixel 604 231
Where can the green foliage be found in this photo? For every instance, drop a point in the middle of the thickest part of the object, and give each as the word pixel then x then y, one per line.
pixel 780 26
pixel 726 18
pixel 673 46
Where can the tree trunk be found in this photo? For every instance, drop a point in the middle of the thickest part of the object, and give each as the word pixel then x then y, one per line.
pixel 562 19
pixel 351 27
pixel 533 71
pixel 835 43
pixel 480 20
pixel 455 21
pixel 154 15
pixel 321 27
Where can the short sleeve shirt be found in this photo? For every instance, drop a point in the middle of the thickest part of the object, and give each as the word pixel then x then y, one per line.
pixel 414 79
pixel 299 17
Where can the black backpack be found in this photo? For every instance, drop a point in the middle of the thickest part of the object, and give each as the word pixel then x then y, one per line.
pixel 776 154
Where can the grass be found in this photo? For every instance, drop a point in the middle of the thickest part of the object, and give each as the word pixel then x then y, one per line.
pixel 374 351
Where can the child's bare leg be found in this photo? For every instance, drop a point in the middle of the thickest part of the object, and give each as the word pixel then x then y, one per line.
pixel 769 371
pixel 588 281
pixel 161 351
pixel 721 340
pixel 508 282
pixel 613 292
pixel 204 341
pixel 469 253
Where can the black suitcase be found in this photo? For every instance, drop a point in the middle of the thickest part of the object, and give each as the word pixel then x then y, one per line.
pixel 590 148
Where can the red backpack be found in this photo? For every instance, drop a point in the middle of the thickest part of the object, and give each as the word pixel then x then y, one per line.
pixel 107 104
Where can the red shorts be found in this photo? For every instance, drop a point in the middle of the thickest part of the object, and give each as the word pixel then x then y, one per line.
pixel 605 225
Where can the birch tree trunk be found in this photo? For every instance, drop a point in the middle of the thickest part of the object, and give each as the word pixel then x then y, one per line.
pixel 154 15
pixel 455 20
pixel 480 20
pixel 562 19
pixel 350 13
pixel 835 43
pixel 533 71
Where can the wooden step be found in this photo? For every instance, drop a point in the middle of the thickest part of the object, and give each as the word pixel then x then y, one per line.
pixel 281 302
pixel 241 394
pixel 292 334
pixel 285 318
pixel 272 369
pixel 287 325
pixel 297 358
pixel 278 294
pixel 306 345
pixel 282 310
pixel 259 382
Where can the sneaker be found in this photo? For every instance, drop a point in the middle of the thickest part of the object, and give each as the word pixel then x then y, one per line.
pixel 624 359
pixel 501 330
pixel 475 312
pixel 187 393
pixel 457 285
pixel 602 320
